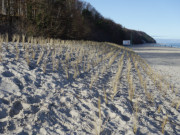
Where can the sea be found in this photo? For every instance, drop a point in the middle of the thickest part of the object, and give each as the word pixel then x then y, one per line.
pixel 168 42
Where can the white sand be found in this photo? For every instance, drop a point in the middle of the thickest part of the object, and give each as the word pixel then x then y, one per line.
pixel 32 102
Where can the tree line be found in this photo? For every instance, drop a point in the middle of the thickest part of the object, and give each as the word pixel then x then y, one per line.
pixel 65 19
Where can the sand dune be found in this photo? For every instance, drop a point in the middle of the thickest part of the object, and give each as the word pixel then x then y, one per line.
pixel 36 102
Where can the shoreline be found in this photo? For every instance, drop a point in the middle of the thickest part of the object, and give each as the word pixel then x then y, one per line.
pixel 168 45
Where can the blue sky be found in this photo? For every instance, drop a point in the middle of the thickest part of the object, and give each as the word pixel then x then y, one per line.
pixel 158 18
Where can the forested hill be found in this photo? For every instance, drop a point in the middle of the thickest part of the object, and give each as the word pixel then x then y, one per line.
pixel 65 19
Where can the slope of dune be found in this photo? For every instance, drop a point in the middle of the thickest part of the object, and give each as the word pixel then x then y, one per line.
pixel 70 87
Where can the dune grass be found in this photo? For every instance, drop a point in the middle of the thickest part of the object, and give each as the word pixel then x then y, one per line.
pixel 79 57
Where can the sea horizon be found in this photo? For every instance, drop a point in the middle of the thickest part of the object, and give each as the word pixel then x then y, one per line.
pixel 168 42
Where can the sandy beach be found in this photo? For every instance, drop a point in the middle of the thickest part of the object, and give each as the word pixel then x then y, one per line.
pixel 106 89
pixel 164 60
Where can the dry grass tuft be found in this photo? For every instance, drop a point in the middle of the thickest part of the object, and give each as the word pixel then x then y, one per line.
pixel 164 124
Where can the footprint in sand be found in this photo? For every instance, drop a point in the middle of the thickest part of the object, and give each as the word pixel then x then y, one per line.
pixel 11 126
pixel 3 110
pixel 37 83
pixel 32 66
pixel 7 74
pixel 35 109
pixel 4 101
pixel 23 133
pixel 18 83
pixel 16 108
pixel 3 113
pixel 106 131
pixel 27 79
pixel 116 110
pixel 2 127
pixel 33 100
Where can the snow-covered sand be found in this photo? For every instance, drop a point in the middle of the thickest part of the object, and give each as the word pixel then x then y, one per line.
pixel 33 102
